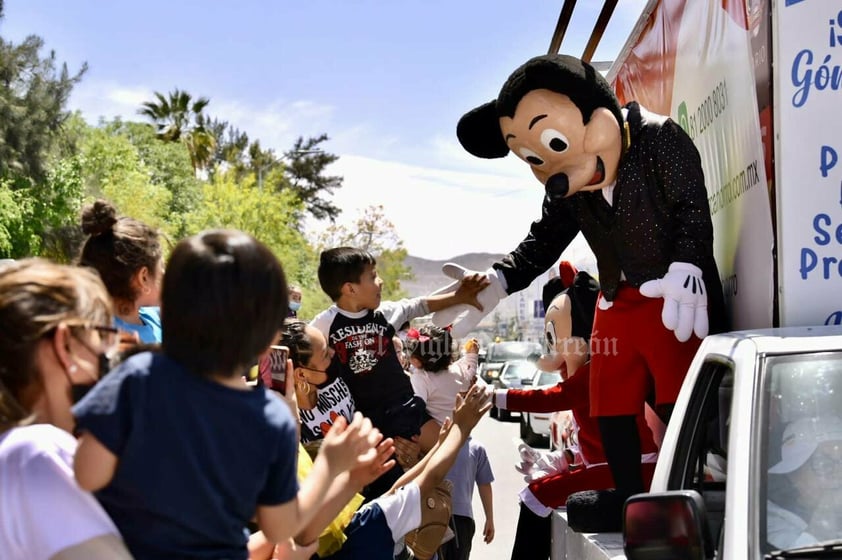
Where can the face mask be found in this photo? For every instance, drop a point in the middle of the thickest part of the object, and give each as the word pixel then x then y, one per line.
pixel 294 305
pixel 327 382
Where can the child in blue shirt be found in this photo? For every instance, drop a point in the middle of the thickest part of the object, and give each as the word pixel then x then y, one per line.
pixel 180 451
pixel 127 255
pixel 471 468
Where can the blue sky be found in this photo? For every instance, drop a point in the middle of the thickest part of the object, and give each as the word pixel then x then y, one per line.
pixel 386 80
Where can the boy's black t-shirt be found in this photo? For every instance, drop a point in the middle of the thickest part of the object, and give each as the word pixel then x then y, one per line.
pixel 365 354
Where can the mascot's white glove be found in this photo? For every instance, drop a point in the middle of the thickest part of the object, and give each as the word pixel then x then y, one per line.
pixel 465 317
pixel 685 301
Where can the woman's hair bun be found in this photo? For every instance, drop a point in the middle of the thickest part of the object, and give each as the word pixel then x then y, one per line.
pixel 98 218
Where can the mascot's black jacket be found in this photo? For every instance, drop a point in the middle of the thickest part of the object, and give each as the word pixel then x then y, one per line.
pixel 640 234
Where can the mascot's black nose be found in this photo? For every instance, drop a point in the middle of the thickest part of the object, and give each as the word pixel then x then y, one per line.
pixel 557 187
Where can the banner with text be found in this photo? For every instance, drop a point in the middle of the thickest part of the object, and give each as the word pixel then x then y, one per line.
pixel 808 94
pixel 703 52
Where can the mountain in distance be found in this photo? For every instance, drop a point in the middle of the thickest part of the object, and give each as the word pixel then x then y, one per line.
pixel 524 305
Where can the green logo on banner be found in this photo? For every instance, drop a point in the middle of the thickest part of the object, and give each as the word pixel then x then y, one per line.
pixel 683 120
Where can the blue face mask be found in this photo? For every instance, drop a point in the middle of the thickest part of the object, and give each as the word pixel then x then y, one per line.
pixel 294 305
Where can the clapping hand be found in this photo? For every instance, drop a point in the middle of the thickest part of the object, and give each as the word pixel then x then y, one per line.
pixel 470 409
pixel 366 474
pixel 350 446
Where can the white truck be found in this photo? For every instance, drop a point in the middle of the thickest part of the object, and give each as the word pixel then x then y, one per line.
pixel 758 86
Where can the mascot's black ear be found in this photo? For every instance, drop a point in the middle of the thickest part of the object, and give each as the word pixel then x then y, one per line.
pixel 479 132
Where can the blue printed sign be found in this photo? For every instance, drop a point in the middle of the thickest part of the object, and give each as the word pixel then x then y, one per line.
pixel 809 162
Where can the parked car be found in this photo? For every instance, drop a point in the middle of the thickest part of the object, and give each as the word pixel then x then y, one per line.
pixel 512 376
pixel 498 353
pixel 535 426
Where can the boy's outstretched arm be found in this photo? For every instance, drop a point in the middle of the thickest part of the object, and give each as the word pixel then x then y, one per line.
pixel 486 497
pixel 467 292
pixel 466 415
pixel 345 447
pixel 344 487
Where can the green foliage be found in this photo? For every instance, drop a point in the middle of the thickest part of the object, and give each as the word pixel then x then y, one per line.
pixel 33 94
pixel 167 165
pixel 36 215
pixel 307 165
pixel 391 267
pixel 113 170
pixel 57 208
pixel 266 216
pixel 179 118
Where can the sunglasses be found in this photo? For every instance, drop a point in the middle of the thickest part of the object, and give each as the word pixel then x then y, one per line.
pixel 109 337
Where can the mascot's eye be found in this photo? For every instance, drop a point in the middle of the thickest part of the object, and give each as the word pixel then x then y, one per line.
pixel 554 140
pixel 530 156
pixel 549 334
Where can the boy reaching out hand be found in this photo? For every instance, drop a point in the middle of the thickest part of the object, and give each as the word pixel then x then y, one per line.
pixel 359 327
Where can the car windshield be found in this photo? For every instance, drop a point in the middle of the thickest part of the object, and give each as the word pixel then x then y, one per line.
pixel 505 351
pixel 547 378
pixel 803 490
pixel 519 370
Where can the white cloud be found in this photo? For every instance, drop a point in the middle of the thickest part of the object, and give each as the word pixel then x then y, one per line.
pixel 441 213
pixel 458 204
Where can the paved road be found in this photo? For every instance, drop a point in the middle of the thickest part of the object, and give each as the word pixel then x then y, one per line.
pixel 501 441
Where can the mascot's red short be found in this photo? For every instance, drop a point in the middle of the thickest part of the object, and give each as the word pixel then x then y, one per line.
pixel 631 351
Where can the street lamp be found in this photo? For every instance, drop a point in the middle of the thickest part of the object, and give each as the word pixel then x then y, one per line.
pixel 279 159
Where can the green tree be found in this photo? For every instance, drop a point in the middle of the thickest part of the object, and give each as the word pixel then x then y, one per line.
pixel 307 178
pixel 231 145
pixel 179 118
pixel 113 169
pixel 33 95
pixel 373 232
pixel 267 216
pixel 167 165
pixel 37 216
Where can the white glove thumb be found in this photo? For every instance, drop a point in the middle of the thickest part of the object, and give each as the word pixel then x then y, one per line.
pixel 685 300
pixel 463 317
pixel 447 316
pixel 488 298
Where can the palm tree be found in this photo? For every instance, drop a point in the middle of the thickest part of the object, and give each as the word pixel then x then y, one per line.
pixel 179 118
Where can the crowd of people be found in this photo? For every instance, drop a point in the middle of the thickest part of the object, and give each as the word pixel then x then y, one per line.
pixel 129 427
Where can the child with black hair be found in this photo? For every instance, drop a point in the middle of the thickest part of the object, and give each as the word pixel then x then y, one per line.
pixel 180 451
pixel 439 374
pixel 359 327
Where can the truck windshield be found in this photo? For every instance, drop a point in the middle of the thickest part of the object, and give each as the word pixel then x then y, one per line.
pixel 506 351
pixel 803 492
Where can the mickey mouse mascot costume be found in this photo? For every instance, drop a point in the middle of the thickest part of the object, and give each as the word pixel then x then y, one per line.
pixel 632 183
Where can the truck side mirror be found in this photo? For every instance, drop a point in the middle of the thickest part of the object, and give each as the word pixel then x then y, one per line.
pixel 666 526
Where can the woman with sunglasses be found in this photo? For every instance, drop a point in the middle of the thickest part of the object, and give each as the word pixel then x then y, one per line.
pixel 127 255
pixel 55 338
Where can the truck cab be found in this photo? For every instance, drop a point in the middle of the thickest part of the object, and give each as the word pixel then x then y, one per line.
pixel 755 409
